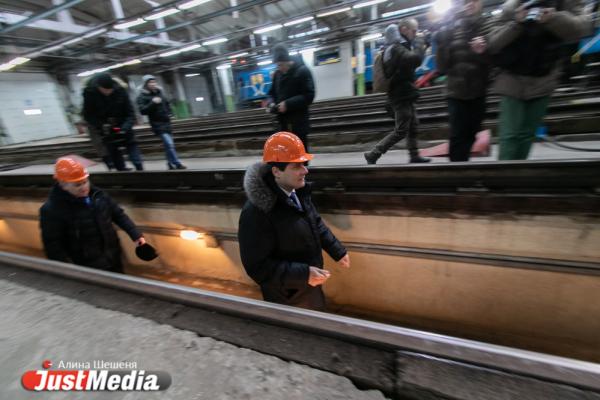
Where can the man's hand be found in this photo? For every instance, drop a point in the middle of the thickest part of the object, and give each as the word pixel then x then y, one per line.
pixel 478 44
pixel 141 241
pixel 547 13
pixel 317 276
pixel 345 261
pixel 281 107
pixel 156 100
pixel 520 14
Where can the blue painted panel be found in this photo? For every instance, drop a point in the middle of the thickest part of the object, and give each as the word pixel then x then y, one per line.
pixel 255 83
pixel 595 48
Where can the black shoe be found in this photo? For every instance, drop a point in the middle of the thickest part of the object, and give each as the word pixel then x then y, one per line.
pixel 125 169
pixel 180 166
pixel 370 157
pixel 139 167
pixel 171 167
pixel 419 159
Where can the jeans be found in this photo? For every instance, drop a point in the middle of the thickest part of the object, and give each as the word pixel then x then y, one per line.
pixel 128 140
pixel 170 152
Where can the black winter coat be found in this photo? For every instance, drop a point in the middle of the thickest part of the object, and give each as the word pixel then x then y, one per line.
pixel 278 242
pixel 158 114
pixel 468 72
pixel 74 232
pixel 404 59
pixel 115 109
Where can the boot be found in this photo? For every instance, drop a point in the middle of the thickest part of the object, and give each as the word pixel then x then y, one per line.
pixel 371 158
pixel 418 159
pixel 180 166
pixel 139 167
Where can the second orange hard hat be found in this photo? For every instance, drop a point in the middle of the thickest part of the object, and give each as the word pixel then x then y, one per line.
pixel 285 147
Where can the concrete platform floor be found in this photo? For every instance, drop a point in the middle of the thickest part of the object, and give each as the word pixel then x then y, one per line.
pixel 540 151
pixel 37 325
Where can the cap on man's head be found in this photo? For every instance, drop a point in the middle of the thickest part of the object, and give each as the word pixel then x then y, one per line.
pixel 280 53
pixel 68 170
pixel 104 80
pixel 147 78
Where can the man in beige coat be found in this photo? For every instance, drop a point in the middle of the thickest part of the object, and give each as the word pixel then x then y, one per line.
pixel 527 46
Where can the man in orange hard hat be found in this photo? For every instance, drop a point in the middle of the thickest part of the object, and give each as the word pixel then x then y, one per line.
pixel 281 234
pixel 77 221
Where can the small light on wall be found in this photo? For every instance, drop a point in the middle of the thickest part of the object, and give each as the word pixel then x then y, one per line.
pixel 33 111
pixel 189 235
pixel 199 98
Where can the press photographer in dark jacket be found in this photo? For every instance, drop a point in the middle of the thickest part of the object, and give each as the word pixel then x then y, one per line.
pixel 77 221
pixel 152 102
pixel 461 55
pixel 281 234
pixel 292 92
pixel 108 112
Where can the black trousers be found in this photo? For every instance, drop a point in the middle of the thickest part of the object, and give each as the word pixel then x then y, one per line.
pixel 466 117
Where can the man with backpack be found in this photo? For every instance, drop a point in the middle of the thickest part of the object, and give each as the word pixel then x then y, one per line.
pixel 396 66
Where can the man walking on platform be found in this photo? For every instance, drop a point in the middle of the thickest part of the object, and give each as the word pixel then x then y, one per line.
pixel 292 92
pixel 401 57
pixel 152 102
pixel 77 221
pixel 281 234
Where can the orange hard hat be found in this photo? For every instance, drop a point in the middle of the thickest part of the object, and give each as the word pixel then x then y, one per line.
pixel 285 147
pixel 68 170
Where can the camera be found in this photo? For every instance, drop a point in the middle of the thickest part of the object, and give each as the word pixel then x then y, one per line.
pixel 534 10
pixel 273 108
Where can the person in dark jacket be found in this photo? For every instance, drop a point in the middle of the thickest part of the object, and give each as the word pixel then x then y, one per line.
pixel 281 234
pixel 77 221
pixel 292 92
pixel 152 102
pixel 108 111
pixel 401 57
pixel 460 54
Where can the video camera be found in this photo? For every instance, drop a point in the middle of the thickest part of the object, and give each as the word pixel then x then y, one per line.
pixel 535 9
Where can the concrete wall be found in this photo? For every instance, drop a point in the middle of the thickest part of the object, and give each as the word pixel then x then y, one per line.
pixel 21 91
pixel 333 80
pixel 197 87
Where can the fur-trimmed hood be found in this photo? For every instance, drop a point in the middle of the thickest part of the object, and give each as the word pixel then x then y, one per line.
pixel 257 189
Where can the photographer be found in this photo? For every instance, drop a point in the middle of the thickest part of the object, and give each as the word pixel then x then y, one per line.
pixel 292 92
pixel 527 47
pixel 461 55
pixel 108 111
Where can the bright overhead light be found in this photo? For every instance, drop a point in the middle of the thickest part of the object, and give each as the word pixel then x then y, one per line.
pixel 496 12
pixel 224 66
pixel 191 4
pixel 367 3
pixel 268 29
pixel 441 6
pixel 190 47
pixel 313 32
pixel 189 235
pixel 170 53
pixel 214 41
pixel 53 48
pixel 73 41
pixel 85 73
pixel 95 33
pixel 238 55
pixel 188 75
pixel 6 67
pixel 199 98
pixel 129 24
pixel 264 62
pixel 150 57
pixel 299 21
pixel 405 11
pixel 33 111
pixel 133 62
pixel 162 14
pixel 309 50
pixel 328 13
pixel 19 61
pixel 115 66
pixel 372 36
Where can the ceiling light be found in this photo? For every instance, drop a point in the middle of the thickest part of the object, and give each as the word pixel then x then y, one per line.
pixel 190 47
pixel 199 98
pixel 95 33
pixel 214 41
pixel 368 3
pixel 405 11
pixel 150 57
pixel 119 65
pixel 133 62
pixel 162 14
pixel 299 21
pixel 496 12
pixel 224 66
pixel 53 48
pixel 239 55
pixel 188 75
pixel 86 73
pixel 328 13
pixel 310 50
pixel 33 111
pixel 19 61
pixel 73 41
pixel 191 4
pixel 268 29
pixel 129 24
pixel 441 6
pixel 372 36
pixel 6 67
pixel 189 235
pixel 264 62
pixel 170 53
pixel 313 32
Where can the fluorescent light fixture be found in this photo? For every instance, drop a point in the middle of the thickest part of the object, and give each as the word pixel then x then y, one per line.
pixel 6 67
pixel 214 41
pixel 404 11
pixel 238 55
pixel 441 6
pixel 367 3
pixel 372 36
pixel 73 41
pixel 189 235
pixel 170 53
pixel 268 29
pixel 328 13
pixel 309 50
pixel 190 4
pixel 19 61
pixel 308 33
pixel 224 66
pixel 162 14
pixel 264 62
pixel 85 73
pixel 95 33
pixel 133 62
pixel 33 111
pixel 150 57
pixel 188 75
pixel 53 48
pixel 293 53
pixel 496 12
pixel 190 47
pixel 299 21
pixel 199 98
pixel 129 24
pixel 115 66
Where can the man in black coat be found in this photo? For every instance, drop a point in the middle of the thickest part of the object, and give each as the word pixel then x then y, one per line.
pixel 292 92
pixel 281 234
pixel 77 221
pixel 109 113
pixel 152 102
pixel 401 57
